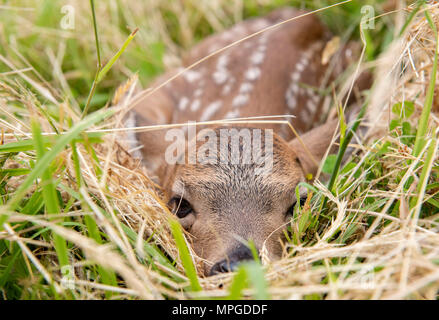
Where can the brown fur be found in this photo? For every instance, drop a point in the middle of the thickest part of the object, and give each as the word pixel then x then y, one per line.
pixel 231 203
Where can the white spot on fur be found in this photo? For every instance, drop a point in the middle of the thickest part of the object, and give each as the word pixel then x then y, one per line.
pixel 240 100
pixel 300 66
pixel 313 95
pixel 131 136
pixel 295 76
pixel 262 48
pixel 239 29
pixel 223 60
pixel 291 100
pixel 191 75
pixel 221 74
pixel 195 105
pixel 305 117
pixel 257 57
pixel 309 92
pixel 228 87
pixel 227 36
pixel 210 110
pixel 253 73
pixel 198 92
pixel 214 48
pixel 311 106
pixel 182 104
pixel 232 114
pixel 306 58
pixel 260 24
pixel 294 90
pixel 316 98
pixel 263 39
pixel 245 87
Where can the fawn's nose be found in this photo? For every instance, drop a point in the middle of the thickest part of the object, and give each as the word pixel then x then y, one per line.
pixel 234 258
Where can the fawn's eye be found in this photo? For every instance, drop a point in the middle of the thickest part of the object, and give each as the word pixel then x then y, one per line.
pixel 181 207
pixel 290 210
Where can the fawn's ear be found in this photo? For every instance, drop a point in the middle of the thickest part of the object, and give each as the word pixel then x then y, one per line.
pixel 311 146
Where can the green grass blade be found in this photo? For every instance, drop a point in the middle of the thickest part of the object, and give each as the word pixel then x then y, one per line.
pixel 5 276
pixel 49 191
pixel 149 249
pixel 95 27
pixel 102 71
pixel 185 256
pixel 411 16
pixel 34 204
pixel 76 166
pixel 343 148
pixel 433 202
pixel 49 194
pixel 254 251
pixel 29 144
pixel 107 67
pixel 256 277
pixel 49 156
pixel 423 120
pixel 239 283
pixel 425 174
pixel 14 172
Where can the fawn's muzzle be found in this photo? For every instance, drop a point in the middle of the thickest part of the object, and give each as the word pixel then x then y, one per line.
pixel 234 258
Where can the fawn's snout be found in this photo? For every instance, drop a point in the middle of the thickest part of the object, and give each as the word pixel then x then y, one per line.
pixel 230 263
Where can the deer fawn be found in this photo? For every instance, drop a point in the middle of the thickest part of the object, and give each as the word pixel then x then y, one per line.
pixel 223 204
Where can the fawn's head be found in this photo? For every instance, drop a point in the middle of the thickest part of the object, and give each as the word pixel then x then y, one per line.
pixel 244 189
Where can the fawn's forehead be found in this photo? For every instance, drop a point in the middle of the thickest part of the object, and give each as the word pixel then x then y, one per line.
pixel 241 182
pixel 261 162
pixel 237 181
